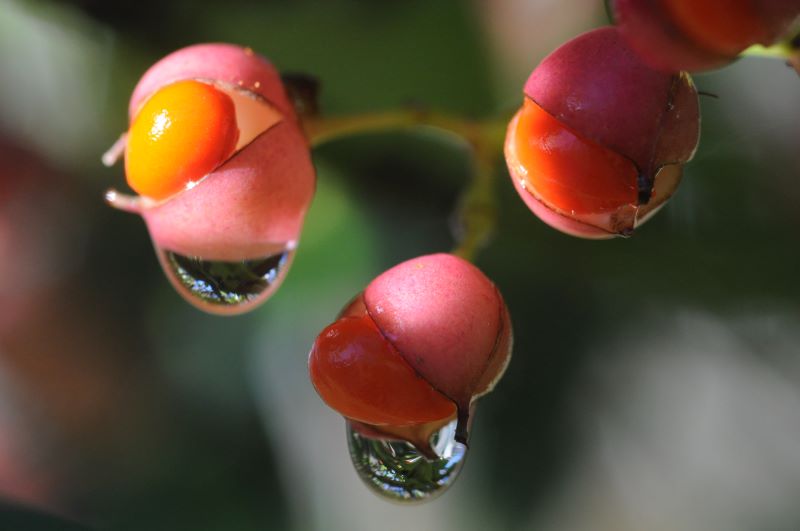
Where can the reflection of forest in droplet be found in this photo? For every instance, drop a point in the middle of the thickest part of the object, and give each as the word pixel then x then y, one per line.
pixel 225 287
pixel 396 470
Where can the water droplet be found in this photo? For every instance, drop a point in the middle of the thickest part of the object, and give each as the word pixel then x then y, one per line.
pixel 223 287
pixel 396 470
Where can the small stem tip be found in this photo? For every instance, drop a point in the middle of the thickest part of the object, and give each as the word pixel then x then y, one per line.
pixel 114 153
pixel 462 426
pixel 124 202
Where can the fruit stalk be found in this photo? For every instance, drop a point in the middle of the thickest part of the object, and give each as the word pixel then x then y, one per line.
pixel 475 216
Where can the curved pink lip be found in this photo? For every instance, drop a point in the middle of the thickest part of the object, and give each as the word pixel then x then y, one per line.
pixel 225 63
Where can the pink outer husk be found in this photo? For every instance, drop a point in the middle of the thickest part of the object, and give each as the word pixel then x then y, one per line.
pixel 225 63
pixel 242 210
pixel 650 31
pixel 598 86
pixel 447 320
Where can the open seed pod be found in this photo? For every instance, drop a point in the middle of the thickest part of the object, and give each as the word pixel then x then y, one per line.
pixel 223 170
pixel 599 143
pixel 415 349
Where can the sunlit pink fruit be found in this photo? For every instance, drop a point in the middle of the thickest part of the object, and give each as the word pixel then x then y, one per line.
pixel 415 349
pixel 223 170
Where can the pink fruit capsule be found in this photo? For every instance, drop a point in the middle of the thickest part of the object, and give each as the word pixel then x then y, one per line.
pixel 415 349
pixel 224 172
pixel 601 139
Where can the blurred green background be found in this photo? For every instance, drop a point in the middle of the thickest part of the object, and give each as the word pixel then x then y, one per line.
pixel 655 382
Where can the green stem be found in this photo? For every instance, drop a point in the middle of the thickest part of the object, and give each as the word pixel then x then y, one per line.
pixel 788 50
pixel 476 213
pixel 779 51
pixel 609 11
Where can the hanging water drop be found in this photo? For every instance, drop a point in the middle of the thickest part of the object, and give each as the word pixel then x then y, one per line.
pixel 398 471
pixel 224 287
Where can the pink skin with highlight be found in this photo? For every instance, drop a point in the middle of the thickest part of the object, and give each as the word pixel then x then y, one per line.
pixel 225 63
pixel 253 204
pixel 449 323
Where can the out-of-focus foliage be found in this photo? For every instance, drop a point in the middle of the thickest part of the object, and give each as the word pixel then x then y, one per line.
pixel 654 382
